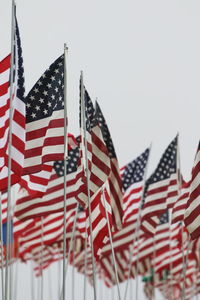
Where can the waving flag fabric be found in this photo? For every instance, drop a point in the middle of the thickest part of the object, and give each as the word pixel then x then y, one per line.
pixel 45 119
pixel 181 203
pixel 37 183
pixel 53 200
pixel 99 221
pixel 192 213
pixel 133 183
pixel 98 158
pixel 162 189
pixel 114 179
pixel 18 115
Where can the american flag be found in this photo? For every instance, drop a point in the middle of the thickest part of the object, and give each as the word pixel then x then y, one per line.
pixel 45 230
pixel 45 119
pixel 98 158
pixel 122 238
pixel 192 212
pixel 179 207
pixel 18 115
pixel 161 189
pixel 98 218
pixel 52 201
pixel 133 183
pixel 114 179
pixel 37 183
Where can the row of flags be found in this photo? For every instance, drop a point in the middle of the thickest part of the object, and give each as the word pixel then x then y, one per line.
pixel 154 221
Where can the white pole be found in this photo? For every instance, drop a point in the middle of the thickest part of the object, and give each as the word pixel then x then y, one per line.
pixel 7 286
pixel 88 184
pixel 136 233
pixel 85 267
pixel 32 282
pixel 111 243
pixel 49 283
pixel 41 259
pixel 65 163
pixel 2 252
pixel 70 247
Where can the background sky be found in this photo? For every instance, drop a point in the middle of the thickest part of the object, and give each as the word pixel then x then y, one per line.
pixel 141 59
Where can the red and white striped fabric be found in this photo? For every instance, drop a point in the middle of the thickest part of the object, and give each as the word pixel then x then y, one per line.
pixel 99 221
pixel 122 239
pixel 162 189
pixel 81 223
pixel 133 183
pixel 37 183
pixel 131 200
pixel 97 155
pixel 46 230
pixel 51 202
pixel 180 205
pixel 4 200
pixel 114 178
pixel 18 115
pixel 192 212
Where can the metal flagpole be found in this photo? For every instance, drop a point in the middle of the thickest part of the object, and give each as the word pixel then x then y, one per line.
pixel 70 248
pixel 41 262
pixel 111 243
pixel 73 270
pixel 32 283
pixel 88 184
pixel 85 266
pixel 184 270
pixel 65 163
pixel 59 279
pixel 136 233
pixel 2 254
pixel 49 283
pixel 7 294
pixel 182 224
pixel 16 279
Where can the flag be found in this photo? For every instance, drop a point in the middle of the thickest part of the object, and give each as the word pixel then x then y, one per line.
pixel 161 189
pixel 45 119
pixel 37 183
pixel 99 222
pixel 192 212
pixel 18 114
pixel 181 203
pixel 97 155
pixel 53 200
pixel 114 178
pixel 133 184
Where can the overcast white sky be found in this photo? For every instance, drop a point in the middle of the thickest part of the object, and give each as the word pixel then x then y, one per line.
pixel 140 58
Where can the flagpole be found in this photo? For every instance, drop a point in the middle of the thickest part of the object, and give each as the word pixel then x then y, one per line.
pixel 85 266
pixel 41 261
pixel 136 233
pixel 7 294
pixel 32 283
pixel 59 279
pixel 2 254
pixel 183 297
pixel 70 249
pixel 88 184
pixel 73 270
pixel 50 283
pixel 182 223
pixel 65 163
pixel 111 243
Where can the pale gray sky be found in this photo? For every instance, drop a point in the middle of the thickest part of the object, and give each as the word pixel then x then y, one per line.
pixel 140 58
